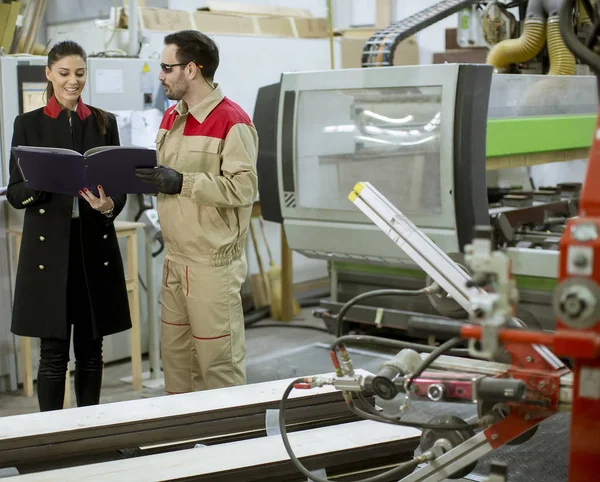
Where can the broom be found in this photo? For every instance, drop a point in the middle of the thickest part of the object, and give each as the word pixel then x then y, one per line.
pixel 274 275
pixel 258 282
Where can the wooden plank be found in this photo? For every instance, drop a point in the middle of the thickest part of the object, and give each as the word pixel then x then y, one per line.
pixel 287 279
pixel 138 412
pixel 183 436
pixel 125 225
pixel 51 435
pixel 232 460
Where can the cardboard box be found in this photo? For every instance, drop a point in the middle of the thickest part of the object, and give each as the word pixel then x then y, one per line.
pixel 315 27
pixel 275 26
pixel 268 26
pixel 215 23
pixel 255 9
pixel 353 43
pixel 164 20
pixel 228 23
pixel 270 20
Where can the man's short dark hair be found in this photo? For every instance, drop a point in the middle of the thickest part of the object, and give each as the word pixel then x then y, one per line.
pixel 194 46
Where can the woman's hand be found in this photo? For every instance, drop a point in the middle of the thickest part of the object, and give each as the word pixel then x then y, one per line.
pixel 103 203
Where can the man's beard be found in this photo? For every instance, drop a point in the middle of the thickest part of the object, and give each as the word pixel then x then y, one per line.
pixel 177 91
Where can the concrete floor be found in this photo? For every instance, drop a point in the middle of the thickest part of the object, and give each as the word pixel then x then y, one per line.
pixel 265 346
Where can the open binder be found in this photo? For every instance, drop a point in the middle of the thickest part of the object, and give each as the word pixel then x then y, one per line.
pixel 64 171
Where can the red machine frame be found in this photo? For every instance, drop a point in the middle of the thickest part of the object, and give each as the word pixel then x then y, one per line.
pixel 581 345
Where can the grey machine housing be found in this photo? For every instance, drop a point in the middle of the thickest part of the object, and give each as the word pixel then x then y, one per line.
pixel 421 130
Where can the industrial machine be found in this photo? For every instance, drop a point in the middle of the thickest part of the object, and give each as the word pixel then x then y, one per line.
pixel 512 398
pixel 427 136
pixel 127 87
pixel 532 384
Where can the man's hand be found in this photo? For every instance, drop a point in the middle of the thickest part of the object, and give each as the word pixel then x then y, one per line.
pixel 167 180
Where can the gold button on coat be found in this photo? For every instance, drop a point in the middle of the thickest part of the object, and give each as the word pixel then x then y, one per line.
pixel 41 266
pixel 106 263
pixel 42 238
pixel 105 236
pixel 42 211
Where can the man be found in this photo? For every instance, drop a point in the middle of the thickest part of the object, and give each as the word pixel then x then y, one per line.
pixel 206 178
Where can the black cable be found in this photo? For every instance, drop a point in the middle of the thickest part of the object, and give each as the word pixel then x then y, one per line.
pixel 262 313
pixel 366 296
pixel 398 344
pixel 572 42
pixel 142 206
pixel 589 10
pixel 255 316
pixel 434 355
pixel 142 284
pixel 396 420
pixel 516 3
pixel 282 325
pixel 396 471
pixel 592 39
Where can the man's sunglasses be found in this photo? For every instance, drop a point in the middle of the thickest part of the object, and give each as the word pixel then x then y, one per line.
pixel 168 68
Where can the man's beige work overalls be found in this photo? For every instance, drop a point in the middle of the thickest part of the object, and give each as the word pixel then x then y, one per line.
pixel 214 144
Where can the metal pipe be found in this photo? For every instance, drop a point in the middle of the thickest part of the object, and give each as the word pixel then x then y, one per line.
pixel 132 25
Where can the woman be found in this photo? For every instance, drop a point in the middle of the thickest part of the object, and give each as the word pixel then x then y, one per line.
pixel 70 272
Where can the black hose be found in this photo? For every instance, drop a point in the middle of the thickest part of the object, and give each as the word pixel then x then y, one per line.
pixel 283 325
pixel 256 315
pixel 365 296
pixel 434 355
pixel 398 471
pixel 567 31
pixel 260 314
pixel 396 420
pixel 589 10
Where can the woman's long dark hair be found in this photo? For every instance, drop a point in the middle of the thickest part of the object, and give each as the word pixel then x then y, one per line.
pixel 64 49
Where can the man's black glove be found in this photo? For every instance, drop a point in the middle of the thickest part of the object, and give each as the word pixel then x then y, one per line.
pixel 167 180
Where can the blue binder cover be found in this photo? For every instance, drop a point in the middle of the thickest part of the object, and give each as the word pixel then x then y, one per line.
pixel 64 171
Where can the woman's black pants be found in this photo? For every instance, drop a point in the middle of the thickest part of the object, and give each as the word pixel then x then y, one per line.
pixel 54 353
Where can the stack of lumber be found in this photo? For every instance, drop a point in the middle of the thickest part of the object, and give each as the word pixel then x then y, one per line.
pixel 20 23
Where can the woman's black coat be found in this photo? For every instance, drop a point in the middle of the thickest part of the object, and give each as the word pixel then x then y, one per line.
pixel 40 306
